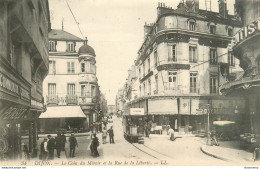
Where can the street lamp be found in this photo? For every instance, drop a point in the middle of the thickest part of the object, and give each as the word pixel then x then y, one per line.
pixel 208 134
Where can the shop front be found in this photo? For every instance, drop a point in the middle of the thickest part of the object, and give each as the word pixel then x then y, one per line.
pixel 62 119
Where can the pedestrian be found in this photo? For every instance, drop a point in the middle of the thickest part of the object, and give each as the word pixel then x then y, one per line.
pixel 213 138
pixel 73 143
pixel 50 147
pixel 58 143
pixel 171 132
pixel 111 135
pixel 95 144
pixel 44 151
pixel 104 135
pixel 63 141
pixel 93 132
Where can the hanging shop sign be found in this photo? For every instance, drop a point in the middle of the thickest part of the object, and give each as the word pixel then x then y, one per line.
pixel 36 103
pixel 173 66
pixel 246 32
pixel 136 111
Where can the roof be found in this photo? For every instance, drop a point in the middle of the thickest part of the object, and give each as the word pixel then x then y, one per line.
pixel 201 14
pixel 63 112
pixel 58 34
pixel 86 49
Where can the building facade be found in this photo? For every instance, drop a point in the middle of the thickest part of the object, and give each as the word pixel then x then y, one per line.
pixel 24 27
pixel 185 57
pixel 245 48
pixel 71 88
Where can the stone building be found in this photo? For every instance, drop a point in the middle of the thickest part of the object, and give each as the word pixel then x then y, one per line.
pixel 185 57
pixel 24 27
pixel 246 49
pixel 71 88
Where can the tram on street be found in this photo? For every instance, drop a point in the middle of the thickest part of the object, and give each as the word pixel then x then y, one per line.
pixel 134 125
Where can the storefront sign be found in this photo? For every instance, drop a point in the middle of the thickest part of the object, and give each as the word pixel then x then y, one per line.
pixel 137 111
pixel 246 32
pixel 8 84
pixel 173 66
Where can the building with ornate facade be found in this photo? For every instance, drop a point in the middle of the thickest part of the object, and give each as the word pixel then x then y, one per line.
pixel 24 27
pixel 246 49
pixel 71 88
pixel 186 55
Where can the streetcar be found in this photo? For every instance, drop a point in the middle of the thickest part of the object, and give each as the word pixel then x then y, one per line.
pixel 134 125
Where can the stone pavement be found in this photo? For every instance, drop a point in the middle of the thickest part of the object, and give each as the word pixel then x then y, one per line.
pixel 230 151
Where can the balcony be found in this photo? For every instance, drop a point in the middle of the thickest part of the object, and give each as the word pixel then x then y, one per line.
pixel 170 86
pixel 85 100
pixel 172 60
pixel 194 90
pixel 71 99
pixel 52 99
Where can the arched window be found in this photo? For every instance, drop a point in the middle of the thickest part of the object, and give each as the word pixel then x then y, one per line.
pixel 191 24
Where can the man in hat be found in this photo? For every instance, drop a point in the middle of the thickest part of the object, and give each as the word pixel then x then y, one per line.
pixel 51 147
pixel 73 143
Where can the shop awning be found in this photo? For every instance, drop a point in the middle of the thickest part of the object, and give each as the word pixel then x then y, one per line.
pixel 162 107
pixel 63 112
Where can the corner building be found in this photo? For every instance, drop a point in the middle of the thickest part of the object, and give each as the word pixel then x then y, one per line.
pixel 24 27
pixel 185 57
pixel 71 88
pixel 246 49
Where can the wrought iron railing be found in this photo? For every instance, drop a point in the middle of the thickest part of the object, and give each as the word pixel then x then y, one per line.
pixel 71 99
pixel 52 99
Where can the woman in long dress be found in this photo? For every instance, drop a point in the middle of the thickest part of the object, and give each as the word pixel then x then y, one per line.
pixel 171 132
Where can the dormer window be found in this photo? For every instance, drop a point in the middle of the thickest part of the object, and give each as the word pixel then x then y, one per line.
pixel 70 47
pixel 191 24
pixel 52 46
pixel 212 29
pixel 230 31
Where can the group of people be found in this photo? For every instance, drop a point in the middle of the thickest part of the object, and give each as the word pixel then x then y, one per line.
pixel 50 143
pixel 110 133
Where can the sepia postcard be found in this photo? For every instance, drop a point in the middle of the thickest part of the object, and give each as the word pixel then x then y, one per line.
pixel 129 83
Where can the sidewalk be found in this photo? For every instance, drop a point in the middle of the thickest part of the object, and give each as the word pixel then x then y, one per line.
pixel 229 151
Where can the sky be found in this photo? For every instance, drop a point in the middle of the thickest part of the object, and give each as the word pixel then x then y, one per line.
pixel 115 29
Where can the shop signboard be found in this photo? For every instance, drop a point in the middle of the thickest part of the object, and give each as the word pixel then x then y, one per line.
pixel 137 111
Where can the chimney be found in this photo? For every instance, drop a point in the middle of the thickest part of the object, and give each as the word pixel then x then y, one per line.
pixel 223 8
pixel 147 29
pixel 193 5
pixel 86 41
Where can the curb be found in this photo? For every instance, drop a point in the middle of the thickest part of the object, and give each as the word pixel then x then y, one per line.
pixel 212 155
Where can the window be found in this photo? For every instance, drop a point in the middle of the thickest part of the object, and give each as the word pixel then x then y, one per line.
pixel 52 67
pixel 193 82
pixel 192 25
pixel 51 89
pixel 212 29
pixel 156 83
pixel 85 90
pixel 148 65
pixel 149 86
pixel 93 91
pixel 230 32
pixel 52 46
pixel 231 59
pixel 172 80
pixel 213 57
pixel 155 58
pixel 193 54
pixel 82 67
pixel 70 47
pixel 213 83
pixel 143 69
pixel 71 89
pixel 172 53
pixel 92 67
pixel 70 67
pixel 144 88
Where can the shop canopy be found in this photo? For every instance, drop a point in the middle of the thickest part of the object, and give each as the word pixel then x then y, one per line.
pixel 223 123
pixel 63 112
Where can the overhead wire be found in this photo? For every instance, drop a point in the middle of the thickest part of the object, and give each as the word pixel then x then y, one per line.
pixel 77 23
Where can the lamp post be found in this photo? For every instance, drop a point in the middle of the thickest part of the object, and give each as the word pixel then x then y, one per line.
pixel 208 133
